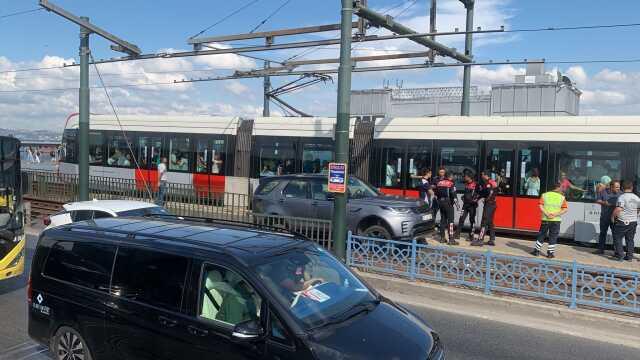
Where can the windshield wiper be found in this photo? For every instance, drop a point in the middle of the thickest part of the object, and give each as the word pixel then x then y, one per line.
pixel 364 306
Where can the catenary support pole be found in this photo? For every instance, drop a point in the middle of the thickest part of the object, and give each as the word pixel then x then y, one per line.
pixel 432 27
pixel 468 43
pixel 341 153
pixel 83 128
pixel 267 84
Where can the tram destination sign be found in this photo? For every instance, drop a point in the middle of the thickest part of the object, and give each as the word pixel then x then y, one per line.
pixel 337 178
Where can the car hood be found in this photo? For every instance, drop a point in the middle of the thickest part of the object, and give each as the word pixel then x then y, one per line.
pixel 391 201
pixel 386 332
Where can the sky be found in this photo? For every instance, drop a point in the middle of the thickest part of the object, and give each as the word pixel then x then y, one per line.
pixel 43 99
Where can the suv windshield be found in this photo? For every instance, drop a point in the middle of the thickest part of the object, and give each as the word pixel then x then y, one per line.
pixel 359 189
pixel 316 287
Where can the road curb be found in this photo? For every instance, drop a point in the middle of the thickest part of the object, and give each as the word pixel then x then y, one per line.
pixel 557 318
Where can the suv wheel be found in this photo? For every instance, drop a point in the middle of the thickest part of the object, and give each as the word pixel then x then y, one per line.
pixel 377 231
pixel 68 344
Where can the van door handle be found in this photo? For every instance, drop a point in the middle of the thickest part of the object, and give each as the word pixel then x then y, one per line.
pixel 165 321
pixel 113 306
pixel 197 331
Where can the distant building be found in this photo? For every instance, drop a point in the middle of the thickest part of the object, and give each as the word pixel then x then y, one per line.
pixel 533 94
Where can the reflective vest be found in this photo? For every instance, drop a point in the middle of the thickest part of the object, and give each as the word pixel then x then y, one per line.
pixel 552 202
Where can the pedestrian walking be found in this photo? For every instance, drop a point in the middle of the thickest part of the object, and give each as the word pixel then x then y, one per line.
pixel 625 219
pixel 446 194
pixel 488 193
pixel 553 205
pixel 607 198
pixel 469 205
pixel 30 154
pixel 162 181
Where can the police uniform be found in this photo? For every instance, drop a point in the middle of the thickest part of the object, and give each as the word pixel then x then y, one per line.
pixel 625 224
pixel 469 207
pixel 552 202
pixel 446 194
pixel 488 192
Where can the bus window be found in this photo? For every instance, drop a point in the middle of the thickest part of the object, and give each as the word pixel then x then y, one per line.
pixel 532 180
pixel 581 171
pixel 96 140
pixel 500 165
pixel 179 153
pixel 418 161
pixel 316 158
pixel 118 151
pixel 460 158
pixel 277 158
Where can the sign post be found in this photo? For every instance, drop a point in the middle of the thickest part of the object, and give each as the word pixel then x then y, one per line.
pixel 337 178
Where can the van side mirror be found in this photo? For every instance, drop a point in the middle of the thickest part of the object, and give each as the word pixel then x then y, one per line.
pixel 250 330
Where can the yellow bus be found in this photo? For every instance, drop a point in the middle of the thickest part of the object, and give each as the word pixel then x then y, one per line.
pixel 12 236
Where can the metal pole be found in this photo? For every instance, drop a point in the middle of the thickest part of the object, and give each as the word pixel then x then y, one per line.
pixel 432 27
pixel 83 132
pixel 267 83
pixel 342 128
pixel 466 81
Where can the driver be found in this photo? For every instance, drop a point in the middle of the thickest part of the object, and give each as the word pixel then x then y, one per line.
pixel 290 277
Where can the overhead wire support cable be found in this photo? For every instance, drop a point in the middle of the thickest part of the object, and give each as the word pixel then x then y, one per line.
pixel 565 28
pixel 20 13
pixel 225 18
pixel 270 16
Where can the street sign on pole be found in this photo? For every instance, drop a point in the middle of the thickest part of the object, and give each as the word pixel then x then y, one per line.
pixel 338 178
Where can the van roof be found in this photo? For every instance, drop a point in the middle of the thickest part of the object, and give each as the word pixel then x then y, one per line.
pixel 246 244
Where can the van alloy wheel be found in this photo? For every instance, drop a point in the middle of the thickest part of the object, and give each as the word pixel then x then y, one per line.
pixel 69 345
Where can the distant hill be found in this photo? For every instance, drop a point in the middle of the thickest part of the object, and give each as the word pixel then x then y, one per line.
pixel 33 135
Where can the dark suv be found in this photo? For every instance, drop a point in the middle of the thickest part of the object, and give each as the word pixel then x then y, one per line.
pixel 369 213
pixel 169 288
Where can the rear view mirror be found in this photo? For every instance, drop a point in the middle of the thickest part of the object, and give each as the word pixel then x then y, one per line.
pixel 248 331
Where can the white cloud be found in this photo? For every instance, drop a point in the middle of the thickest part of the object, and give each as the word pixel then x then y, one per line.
pixel 607 75
pixel 236 87
pixel 602 97
pixel 578 75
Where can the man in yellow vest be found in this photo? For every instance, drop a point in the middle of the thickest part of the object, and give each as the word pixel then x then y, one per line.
pixel 553 205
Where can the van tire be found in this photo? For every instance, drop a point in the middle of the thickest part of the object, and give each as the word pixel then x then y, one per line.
pixel 377 231
pixel 68 339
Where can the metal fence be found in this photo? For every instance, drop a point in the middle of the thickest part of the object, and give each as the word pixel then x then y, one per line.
pixel 181 199
pixel 572 283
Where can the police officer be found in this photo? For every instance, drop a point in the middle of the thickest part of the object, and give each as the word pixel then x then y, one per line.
pixel 441 175
pixel 469 205
pixel 552 205
pixel 446 194
pixel 488 193
pixel 625 220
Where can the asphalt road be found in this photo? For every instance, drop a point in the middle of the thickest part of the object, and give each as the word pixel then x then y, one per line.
pixel 464 337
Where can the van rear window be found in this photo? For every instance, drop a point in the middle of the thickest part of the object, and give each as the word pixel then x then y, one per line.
pixel 84 264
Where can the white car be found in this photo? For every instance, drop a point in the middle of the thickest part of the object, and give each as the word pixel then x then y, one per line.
pixel 96 209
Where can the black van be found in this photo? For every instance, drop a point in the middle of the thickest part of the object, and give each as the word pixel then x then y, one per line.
pixel 169 288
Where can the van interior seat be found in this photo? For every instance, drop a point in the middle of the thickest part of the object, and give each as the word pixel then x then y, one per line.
pixel 212 301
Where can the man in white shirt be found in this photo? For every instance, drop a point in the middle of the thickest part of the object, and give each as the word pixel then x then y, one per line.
pixel 625 218
pixel 162 181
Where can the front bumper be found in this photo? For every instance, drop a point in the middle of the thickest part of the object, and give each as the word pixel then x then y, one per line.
pixel 407 228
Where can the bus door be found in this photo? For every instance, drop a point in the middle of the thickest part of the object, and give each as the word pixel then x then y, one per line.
pixel 531 182
pixel 149 154
pixel 501 165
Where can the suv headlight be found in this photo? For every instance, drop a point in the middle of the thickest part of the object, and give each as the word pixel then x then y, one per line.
pixel 398 210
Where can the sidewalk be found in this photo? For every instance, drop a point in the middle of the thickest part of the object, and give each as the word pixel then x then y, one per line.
pixel 523 245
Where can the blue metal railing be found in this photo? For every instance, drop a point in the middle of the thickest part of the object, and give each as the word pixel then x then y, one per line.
pixel 570 282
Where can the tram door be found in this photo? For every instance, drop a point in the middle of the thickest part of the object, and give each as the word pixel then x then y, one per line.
pixel 520 171
pixel 149 150
pixel 399 166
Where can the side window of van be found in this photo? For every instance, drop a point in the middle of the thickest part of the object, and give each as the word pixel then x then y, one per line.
pixel 226 297
pixel 150 277
pixel 84 264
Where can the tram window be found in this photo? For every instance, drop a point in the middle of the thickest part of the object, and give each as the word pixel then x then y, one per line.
pixel 69 143
pixel 119 152
pixel 277 159
pixel 581 171
pixel 96 141
pixel 500 165
pixel 460 159
pixel 418 161
pixel 316 158
pixel 532 172
pixel 218 157
pixel 392 161
pixel 202 155
pixel 179 153
pixel 149 151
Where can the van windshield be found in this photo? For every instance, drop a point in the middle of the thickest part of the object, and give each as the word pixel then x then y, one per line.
pixel 313 285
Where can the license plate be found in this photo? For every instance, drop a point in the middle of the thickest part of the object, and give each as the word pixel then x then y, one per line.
pixel 427 217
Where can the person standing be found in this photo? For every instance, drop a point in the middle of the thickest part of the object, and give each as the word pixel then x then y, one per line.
pixel 162 181
pixel 553 205
pixel 488 193
pixel 625 219
pixel 532 185
pixel 607 198
pixel 469 205
pixel 446 194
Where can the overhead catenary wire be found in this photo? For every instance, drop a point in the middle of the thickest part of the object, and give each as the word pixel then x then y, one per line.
pixel 20 13
pixel 124 133
pixel 264 21
pixel 225 18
